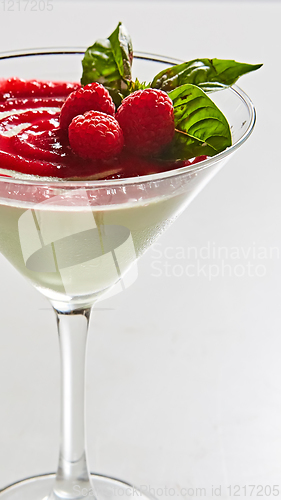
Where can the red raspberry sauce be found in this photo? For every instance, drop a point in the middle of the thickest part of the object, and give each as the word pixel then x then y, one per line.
pixel 39 148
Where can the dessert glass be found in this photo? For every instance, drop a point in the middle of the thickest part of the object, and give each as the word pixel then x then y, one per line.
pixel 74 240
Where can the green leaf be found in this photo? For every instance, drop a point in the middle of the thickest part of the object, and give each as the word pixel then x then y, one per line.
pixel 208 74
pixel 122 50
pixel 109 61
pixel 201 128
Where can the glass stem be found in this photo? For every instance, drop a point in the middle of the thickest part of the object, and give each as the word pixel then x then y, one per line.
pixel 72 479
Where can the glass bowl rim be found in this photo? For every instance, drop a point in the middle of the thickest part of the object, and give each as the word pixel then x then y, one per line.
pixel 71 184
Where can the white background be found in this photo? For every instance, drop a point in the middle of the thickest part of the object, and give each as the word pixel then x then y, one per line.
pixel 183 373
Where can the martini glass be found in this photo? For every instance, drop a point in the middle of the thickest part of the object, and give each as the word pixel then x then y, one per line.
pixel 75 240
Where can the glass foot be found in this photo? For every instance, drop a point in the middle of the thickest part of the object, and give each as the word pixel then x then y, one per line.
pixel 103 488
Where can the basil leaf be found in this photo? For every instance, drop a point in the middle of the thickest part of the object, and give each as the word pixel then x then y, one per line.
pixel 109 61
pixel 208 74
pixel 122 50
pixel 201 128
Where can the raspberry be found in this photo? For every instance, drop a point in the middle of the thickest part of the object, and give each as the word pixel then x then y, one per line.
pixel 91 97
pixel 147 120
pixel 95 135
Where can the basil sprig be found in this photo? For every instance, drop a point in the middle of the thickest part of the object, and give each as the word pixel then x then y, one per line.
pixel 201 128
